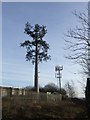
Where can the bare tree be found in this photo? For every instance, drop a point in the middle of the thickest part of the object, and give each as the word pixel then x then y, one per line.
pixel 78 43
pixel 70 90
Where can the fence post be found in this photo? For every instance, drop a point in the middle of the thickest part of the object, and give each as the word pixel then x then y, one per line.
pixel 9 90
pixel 88 97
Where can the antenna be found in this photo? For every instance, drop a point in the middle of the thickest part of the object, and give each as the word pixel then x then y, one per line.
pixel 58 70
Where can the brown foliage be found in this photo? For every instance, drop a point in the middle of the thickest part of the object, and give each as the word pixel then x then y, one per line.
pixel 18 109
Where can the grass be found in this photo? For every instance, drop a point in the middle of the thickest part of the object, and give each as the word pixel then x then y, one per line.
pixel 17 108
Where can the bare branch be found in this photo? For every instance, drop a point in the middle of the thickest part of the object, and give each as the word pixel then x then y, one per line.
pixel 78 43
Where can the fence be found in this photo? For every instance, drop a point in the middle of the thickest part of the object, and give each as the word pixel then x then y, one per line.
pixel 24 93
pixel 8 91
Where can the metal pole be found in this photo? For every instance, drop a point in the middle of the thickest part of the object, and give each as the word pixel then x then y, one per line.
pixel 58 74
pixel 59 81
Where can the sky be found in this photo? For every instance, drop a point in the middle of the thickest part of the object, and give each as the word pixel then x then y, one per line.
pixel 58 19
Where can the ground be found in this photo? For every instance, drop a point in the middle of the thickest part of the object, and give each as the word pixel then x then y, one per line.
pixel 15 108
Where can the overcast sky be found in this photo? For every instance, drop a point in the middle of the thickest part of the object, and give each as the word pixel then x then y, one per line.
pixel 58 19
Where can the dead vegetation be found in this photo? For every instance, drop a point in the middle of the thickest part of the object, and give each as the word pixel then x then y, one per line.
pixel 15 108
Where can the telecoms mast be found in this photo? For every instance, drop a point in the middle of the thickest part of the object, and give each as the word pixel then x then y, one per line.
pixel 58 74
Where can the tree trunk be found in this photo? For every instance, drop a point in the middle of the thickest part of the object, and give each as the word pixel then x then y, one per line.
pixel 88 97
pixel 36 86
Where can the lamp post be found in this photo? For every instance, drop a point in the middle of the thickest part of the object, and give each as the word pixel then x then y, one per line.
pixel 58 74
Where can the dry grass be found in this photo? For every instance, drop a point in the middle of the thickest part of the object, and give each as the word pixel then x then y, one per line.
pixel 26 109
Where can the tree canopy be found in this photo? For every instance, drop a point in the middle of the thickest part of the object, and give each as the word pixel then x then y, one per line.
pixel 37 33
